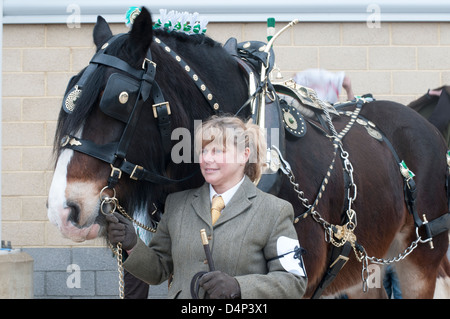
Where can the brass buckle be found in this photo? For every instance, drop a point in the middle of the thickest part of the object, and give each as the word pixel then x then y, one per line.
pixel 136 167
pixel 114 170
pixel 154 106
pixel 146 61
pixel 340 258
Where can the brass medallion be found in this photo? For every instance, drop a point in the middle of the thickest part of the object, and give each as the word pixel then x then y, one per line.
pixel 374 133
pixel 290 120
pixel 361 121
pixel 72 98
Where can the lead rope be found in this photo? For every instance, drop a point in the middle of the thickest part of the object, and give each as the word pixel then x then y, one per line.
pixel 108 206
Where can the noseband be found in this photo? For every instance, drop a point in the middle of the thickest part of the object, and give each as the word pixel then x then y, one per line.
pixel 123 99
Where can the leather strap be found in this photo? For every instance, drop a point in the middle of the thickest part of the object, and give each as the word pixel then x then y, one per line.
pixel 193 75
pixel 339 257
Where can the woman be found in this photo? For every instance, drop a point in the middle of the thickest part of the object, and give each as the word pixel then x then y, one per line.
pixel 252 242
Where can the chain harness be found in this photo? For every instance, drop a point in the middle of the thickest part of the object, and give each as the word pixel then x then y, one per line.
pixel 339 235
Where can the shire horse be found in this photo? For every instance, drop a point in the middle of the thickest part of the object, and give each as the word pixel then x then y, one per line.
pixel 88 127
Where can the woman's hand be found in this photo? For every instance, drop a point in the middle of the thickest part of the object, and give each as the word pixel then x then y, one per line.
pixel 219 285
pixel 120 229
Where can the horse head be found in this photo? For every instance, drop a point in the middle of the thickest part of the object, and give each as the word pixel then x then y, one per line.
pixel 114 129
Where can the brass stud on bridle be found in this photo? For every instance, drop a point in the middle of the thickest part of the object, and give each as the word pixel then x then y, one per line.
pixel 123 97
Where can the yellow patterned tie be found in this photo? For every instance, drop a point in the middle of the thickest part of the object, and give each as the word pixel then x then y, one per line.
pixel 216 207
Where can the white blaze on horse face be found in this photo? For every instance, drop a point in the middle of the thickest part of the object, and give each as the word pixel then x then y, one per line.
pixel 56 198
pixel 58 208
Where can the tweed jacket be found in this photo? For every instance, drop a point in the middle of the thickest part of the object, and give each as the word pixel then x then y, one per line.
pixel 242 242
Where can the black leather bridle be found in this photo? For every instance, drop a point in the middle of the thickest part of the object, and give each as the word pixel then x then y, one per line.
pixel 121 91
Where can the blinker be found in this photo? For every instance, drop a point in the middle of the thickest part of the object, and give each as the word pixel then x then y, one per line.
pixel 120 94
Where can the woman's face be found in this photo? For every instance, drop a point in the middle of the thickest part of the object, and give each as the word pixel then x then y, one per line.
pixel 223 167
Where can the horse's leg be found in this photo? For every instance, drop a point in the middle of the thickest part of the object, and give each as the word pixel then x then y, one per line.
pixel 416 282
pixel 418 271
pixel 442 290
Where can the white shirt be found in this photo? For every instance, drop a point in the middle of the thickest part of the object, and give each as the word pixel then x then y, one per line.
pixel 226 196
pixel 326 84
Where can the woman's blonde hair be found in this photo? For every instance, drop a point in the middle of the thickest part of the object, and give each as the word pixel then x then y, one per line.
pixel 225 130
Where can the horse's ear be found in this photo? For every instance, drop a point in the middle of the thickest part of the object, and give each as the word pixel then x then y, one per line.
pixel 141 34
pixel 102 32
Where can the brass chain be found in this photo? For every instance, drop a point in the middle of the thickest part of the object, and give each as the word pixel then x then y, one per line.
pixel 117 251
pixel 124 213
pixel 112 203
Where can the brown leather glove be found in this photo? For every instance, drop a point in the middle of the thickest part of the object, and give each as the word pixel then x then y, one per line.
pixel 219 285
pixel 120 229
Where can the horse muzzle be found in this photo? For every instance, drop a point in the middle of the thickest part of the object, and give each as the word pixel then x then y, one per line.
pixel 68 222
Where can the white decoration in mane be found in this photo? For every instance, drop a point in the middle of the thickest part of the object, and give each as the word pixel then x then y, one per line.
pixel 189 23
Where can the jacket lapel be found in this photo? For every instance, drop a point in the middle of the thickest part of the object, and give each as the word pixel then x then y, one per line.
pixel 201 203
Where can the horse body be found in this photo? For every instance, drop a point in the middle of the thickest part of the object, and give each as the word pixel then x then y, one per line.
pixel 385 226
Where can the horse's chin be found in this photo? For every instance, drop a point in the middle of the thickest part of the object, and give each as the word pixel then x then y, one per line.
pixel 79 235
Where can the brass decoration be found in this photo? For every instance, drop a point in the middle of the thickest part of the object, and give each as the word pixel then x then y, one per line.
pixel 275 162
pixel 155 106
pixel 374 133
pixel 293 121
pixel 342 234
pixel 361 121
pixel 64 141
pixel 290 120
pixel 72 98
pixel 74 142
pixel 68 140
pixel 123 97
